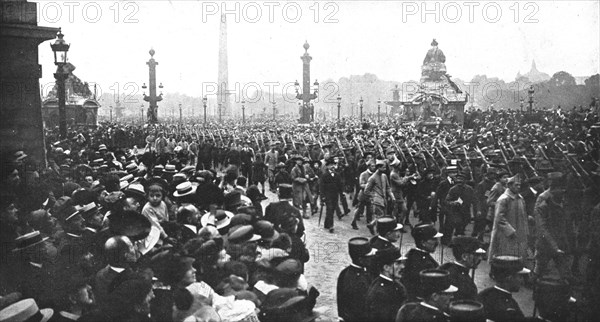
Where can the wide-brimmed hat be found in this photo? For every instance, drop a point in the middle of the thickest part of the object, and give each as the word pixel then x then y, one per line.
pixel 222 219
pixel 29 240
pixel 135 190
pixel 19 155
pixel 25 311
pixel 184 189
pixel 242 234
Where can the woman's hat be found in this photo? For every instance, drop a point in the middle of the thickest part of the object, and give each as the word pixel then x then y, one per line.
pixel 25 311
pixel 184 189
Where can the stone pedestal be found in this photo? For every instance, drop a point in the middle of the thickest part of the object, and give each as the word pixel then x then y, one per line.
pixel 20 102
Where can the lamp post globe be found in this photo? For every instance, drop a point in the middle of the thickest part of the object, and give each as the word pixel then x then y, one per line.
pixel 60 49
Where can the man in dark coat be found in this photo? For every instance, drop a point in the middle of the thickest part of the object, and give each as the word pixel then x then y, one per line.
pixel 419 258
pixel 354 281
pixel 441 192
pixel 386 294
pixel 553 230
pixel 461 201
pixel 467 254
pixel 497 300
pixel 330 187
pixel 277 212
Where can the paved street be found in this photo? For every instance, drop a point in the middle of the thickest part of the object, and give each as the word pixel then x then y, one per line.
pixel 329 255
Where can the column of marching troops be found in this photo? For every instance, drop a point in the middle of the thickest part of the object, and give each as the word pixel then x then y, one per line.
pixel 164 222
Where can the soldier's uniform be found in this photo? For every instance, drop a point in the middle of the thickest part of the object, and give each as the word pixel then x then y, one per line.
pixel 353 283
pixel 385 296
pixel 418 260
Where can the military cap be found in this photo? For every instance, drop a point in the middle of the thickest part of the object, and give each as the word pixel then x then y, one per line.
pixel 387 224
pixel 436 281
pixel 425 231
pixel 388 255
pixel 508 265
pixel 467 245
pixel 467 311
pixel 242 234
pixel 360 246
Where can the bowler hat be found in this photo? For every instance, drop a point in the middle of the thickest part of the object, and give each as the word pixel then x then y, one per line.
pixel 266 230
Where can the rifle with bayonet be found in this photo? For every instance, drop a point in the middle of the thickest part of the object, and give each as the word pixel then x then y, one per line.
pixel 505 159
pixel 468 162
pixel 535 173
pixel 412 159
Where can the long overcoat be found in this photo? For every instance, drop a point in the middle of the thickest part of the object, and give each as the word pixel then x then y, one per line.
pixel 510 230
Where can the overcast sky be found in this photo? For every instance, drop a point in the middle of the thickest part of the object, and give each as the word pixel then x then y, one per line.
pixel 385 38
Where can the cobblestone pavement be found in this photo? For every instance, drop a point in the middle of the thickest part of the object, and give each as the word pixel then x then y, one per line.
pixel 329 255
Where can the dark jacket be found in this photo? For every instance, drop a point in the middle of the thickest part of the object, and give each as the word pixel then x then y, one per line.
pixel 384 299
pixel 417 260
pixel 459 277
pixel 352 286
pixel 418 312
pixel 500 306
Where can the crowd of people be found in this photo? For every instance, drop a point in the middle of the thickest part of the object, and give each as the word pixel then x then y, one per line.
pixel 166 222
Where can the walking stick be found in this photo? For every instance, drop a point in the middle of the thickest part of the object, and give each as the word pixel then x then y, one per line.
pixel 320 214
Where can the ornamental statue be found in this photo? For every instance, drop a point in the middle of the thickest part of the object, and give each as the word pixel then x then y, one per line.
pixel 433 65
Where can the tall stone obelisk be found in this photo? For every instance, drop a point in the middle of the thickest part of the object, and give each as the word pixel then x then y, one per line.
pixel 223 79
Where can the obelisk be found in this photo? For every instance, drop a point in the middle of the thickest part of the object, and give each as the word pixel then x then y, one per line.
pixel 223 79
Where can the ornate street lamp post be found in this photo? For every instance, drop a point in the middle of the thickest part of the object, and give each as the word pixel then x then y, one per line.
pixel 142 113
pixel 243 112
pixel 180 115
pixel 361 109
pixel 204 100
pixel 111 114
pixel 531 91
pixel 378 109
pixel 339 105
pixel 274 110
pixel 152 99
pixel 522 104
pixel 60 49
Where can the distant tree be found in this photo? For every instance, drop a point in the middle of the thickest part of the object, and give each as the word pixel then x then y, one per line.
pixel 562 79
pixel 593 82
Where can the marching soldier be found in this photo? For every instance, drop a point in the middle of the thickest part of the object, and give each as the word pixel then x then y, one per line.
pixel 300 186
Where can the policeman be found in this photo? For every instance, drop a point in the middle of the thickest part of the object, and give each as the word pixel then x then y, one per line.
pixel 553 300
pixel 467 254
pixel 438 291
pixel 497 300
pixel 388 233
pixel 419 258
pixel 386 294
pixel 354 281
